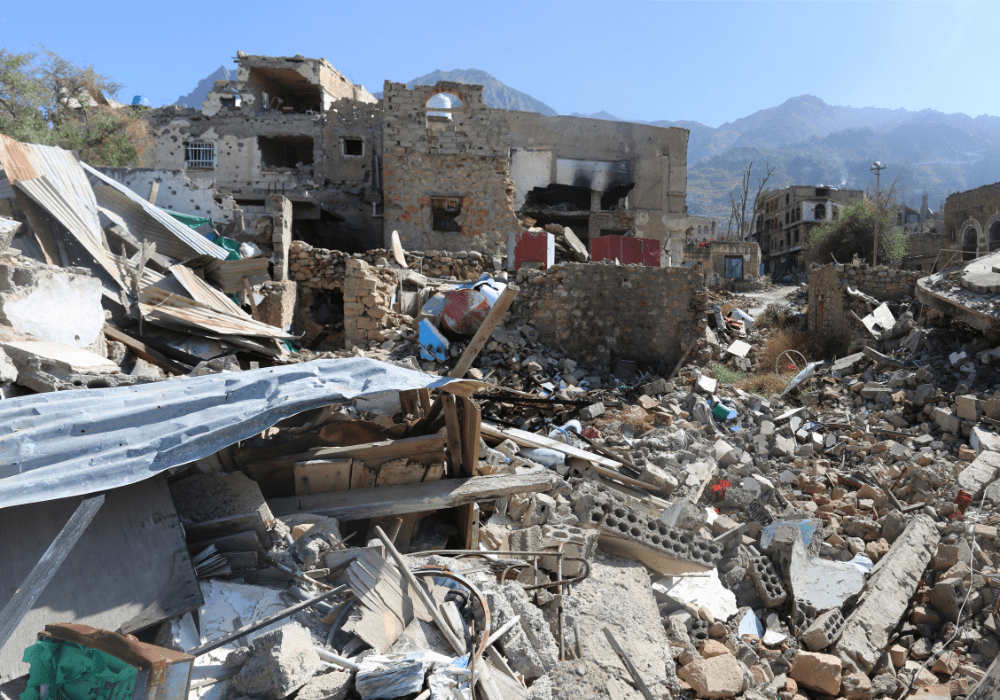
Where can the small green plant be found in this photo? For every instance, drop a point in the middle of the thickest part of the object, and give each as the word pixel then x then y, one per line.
pixel 766 280
pixel 727 375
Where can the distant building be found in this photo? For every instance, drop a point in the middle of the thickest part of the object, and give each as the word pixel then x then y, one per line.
pixel 784 217
pixel 972 220
pixel 701 229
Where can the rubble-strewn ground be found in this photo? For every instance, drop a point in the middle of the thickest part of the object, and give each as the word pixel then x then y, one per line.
pixel 763 520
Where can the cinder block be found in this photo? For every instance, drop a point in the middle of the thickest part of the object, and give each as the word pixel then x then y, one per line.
pixel 824 631
pixel 768 583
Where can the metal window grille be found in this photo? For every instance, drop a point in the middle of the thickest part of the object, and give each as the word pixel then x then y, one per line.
pixel 199 155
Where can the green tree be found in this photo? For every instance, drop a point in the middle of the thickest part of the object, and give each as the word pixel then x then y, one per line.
pixel 49 100
pixel 850 235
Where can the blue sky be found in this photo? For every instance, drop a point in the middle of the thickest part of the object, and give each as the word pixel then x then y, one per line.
pixel 709 62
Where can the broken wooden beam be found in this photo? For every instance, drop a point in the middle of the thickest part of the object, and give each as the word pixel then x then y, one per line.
pixel 412 498
pixel 484 332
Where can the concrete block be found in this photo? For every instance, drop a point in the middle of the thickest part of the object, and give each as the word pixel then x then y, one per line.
pixel 530 247
pixel 592 411
pixel 981 440
pixel 979 473
pixel 967 407
pixel 279 663
pixel 947 596
pixel 768 583
pixel 58 358
pixel 824 631
pixel 329 686
pixel 890 586
pixel 8 370
pixel 630 532
pixel 946 420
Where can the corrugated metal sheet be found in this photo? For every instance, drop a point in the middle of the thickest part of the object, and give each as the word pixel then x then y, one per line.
pixel 201 291
pixel 71 443
pixel 161 306
pixel 45 193
pixel 53 178
pixel 229 274
pixel 170 230
pixel 133 219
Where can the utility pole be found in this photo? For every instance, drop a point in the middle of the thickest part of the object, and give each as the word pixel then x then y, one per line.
pixel 877 168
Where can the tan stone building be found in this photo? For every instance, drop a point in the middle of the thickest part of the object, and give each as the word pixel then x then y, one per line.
pixel 972 220
pixel 784 216
pixel 433 162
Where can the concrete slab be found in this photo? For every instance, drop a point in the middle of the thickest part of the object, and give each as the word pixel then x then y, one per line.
pixel 890 587
pixel 981 472
pixel 820 583
pixel 57 357
pixel 51 303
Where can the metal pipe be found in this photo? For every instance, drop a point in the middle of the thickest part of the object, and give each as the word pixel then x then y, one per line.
pixel 336 660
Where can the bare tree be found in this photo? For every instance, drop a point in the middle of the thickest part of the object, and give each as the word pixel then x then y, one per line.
pixel 738 205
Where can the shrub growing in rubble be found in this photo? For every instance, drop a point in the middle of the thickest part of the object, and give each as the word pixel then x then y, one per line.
pixel 850 235
pixel 48 100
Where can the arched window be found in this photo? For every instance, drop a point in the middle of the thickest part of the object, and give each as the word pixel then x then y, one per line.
pixel 969 243
pixel 819 213
pixel 995 236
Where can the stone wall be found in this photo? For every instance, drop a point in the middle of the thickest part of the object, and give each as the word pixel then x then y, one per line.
pixel 712 259
pixel 462 157
pixel 327 309
pixel 368 294
pixel 594 312
pixel 973 213
pixel 830 305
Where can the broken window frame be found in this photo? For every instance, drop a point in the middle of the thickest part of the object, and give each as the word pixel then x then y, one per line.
pixel 201 148
pixel 444 212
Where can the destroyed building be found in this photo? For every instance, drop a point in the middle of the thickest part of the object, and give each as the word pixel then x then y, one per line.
pixel 527 477
pixel 432 162
pixel 972 221
pixel 786 215
pixel 726 264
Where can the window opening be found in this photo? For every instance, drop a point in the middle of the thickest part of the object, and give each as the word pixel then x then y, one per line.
pixel 819 213
pixel 354 147
pixel 734 267
pixel 445 210
pixel 199 154
pixel 285 151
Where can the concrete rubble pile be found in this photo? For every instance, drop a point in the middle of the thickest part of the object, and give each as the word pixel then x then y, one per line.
pixel 546 528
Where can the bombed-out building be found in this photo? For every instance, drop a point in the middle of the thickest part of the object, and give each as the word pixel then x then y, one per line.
pixel 434 163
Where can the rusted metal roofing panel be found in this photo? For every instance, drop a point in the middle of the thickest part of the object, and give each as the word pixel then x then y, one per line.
pixel 166 231
pixel 229 274
pixel 45 193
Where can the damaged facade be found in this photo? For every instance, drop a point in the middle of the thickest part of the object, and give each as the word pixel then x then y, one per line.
pixel 432 162
pixel 972 221
pixel 785 216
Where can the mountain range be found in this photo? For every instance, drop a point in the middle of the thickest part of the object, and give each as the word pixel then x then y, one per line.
pixel 805 140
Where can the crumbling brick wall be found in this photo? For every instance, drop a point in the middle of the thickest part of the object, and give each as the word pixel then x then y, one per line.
pixel 464 158
pixel 325 269
pixel 594 312
pixel 883 283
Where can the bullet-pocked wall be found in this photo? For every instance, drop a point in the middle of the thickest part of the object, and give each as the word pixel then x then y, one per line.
pixel 595 312
pixel 446 173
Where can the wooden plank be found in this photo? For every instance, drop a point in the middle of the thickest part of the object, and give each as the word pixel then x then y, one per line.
pixel 322 476
pixel 400 471
pixel 471 425
pixel 397 250
pixel 53 557
pixel 454 433
pixel 253 303
pixel 413 498
pixel 425 399
pixel 526 439
pixel 144 351
pixel 123 565
pixel 485 331
pixel 409 402
pixel 361 476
